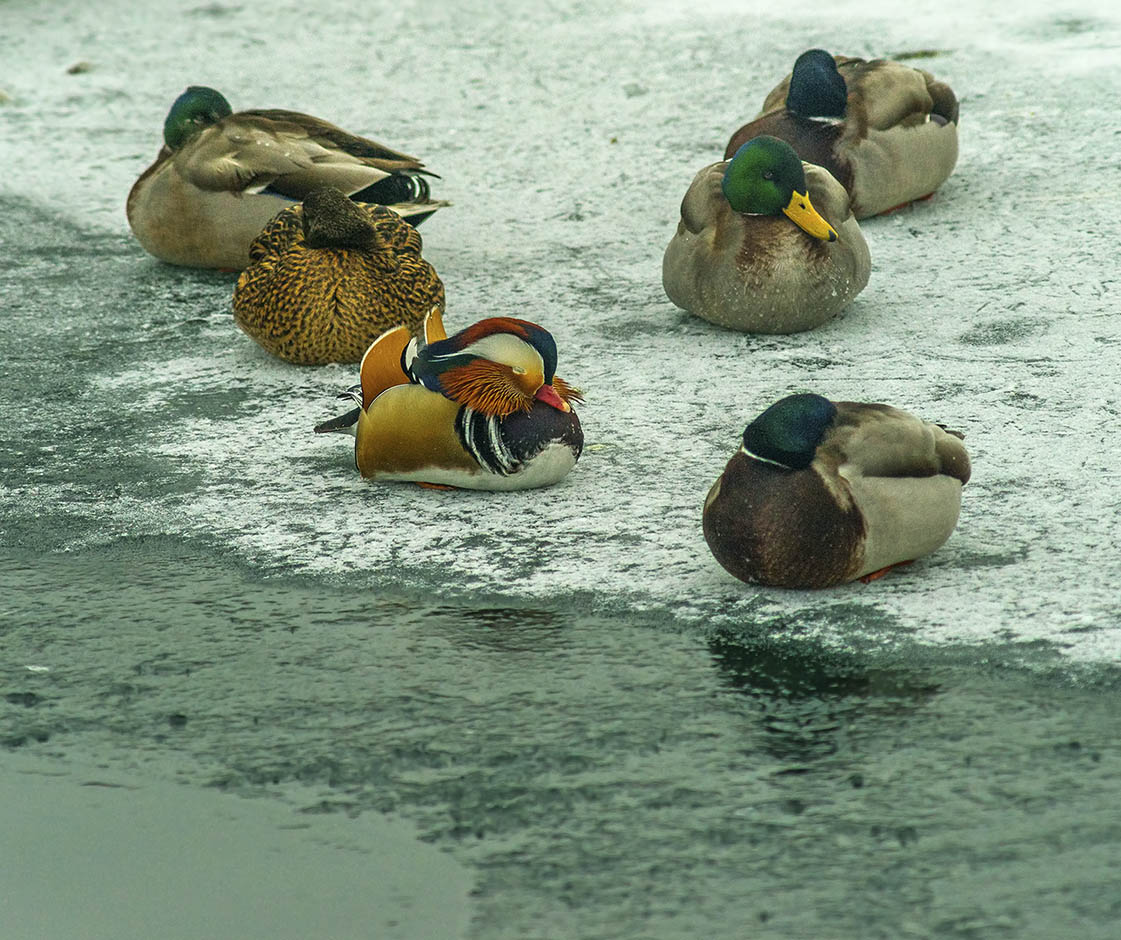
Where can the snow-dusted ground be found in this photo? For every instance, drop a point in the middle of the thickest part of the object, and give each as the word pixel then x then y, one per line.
pixel 565 135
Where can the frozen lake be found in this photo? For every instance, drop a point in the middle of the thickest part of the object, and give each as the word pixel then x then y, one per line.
pixel 648 747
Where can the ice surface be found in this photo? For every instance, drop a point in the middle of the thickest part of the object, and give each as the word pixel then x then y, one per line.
pixel 565 136
pixel 99 855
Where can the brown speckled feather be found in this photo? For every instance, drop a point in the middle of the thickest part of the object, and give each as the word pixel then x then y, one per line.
pixel 316 305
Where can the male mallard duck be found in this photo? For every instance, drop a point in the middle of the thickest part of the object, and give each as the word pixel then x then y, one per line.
pixel 886 131
pixel 327 277
pixel 753 253
pixel 480 410
pixel 826 492
pixel 221 176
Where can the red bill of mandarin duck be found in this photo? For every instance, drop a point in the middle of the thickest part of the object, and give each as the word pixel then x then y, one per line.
pixel 885 130
pixel 766 244
pixel 822 493
pixel 482 409
pixel 330 275
pixel 221 176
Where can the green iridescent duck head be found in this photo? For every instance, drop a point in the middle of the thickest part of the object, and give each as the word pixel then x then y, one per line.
pixel 765 177
pixel 817 89
pixel 197 108
pixel 789 432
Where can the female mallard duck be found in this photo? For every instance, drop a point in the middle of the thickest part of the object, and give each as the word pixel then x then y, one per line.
pixel 752 251
pixel 480 410
pixel 886 131
pixel 826 492
pixel 221 176
pixel 327 277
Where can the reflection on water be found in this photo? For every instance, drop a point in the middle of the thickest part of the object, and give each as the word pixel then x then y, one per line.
pixel 510 629
pixel 808 696
pixel 793 669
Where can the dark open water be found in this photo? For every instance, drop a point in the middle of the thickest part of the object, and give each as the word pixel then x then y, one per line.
pixel 598 779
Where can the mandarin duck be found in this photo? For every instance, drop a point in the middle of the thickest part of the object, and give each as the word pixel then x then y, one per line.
pixel 886 131
pixel 328 276
pixel 482 409
pixel 766 243
pixel 221 176
pixel 822 493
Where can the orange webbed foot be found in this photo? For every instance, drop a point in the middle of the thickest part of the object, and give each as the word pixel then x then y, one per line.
pixel 876 575
pixel 436 486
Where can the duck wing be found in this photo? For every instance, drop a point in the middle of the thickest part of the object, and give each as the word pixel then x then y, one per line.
pixel 330 137
pixel 875 440
pixel 288 153
pixel 885 94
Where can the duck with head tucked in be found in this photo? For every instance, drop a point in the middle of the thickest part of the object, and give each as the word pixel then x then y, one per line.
pixel 483 409
pixel 886 131
pixel 766 243
pixel 329 276
pixel 822 493
pixel 221 176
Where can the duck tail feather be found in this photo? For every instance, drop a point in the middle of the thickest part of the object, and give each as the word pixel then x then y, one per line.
pixel 344 424
pixel 395 188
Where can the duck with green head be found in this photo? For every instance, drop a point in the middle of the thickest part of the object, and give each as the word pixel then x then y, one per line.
pixel 221 176
pixel 821 493
pixel 766 243
pixel 885 130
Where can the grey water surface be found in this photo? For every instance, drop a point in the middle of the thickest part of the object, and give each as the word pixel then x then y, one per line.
pixel 594 777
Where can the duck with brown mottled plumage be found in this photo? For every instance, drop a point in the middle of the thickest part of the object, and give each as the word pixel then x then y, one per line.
pixel 822 492
pixel 766 244
pixel 886 131
pixel 329 276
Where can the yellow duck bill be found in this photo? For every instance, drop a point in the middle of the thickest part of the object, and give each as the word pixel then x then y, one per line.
pixel 802 213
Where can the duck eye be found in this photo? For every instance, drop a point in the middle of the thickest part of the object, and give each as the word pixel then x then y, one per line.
pixel 768 175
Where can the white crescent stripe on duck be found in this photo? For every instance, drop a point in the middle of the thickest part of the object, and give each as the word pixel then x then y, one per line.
pixel 501 451
pixel 481 437
pixel 774 463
